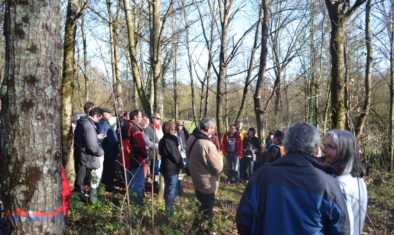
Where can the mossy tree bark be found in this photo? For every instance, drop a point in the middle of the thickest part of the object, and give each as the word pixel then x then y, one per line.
pixel 339 12
pixel 31 179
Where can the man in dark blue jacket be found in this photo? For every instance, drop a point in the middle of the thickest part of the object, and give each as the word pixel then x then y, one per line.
pixel 295 194
pixel 110 145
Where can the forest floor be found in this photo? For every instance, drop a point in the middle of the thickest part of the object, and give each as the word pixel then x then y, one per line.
pixel 109 215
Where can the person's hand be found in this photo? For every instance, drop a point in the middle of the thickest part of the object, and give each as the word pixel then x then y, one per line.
pixel 101 136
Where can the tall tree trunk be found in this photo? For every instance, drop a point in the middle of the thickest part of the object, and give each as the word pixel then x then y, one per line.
pixel 155 55
pixel 257 98
pixel 392 85
pixel 133 59
pixel 85 59
pixel 224 24
pixel 68 86
pixel 31 177
pixel 347 86
pixel 117 82
pixel 175 78
pixel 313 83
pixel 367 101
pixel 250 67
pixel 338 112
pixel 339 13
pixel 112 23
pixel 189 66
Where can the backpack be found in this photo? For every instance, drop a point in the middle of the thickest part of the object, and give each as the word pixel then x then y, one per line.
pixel 136 154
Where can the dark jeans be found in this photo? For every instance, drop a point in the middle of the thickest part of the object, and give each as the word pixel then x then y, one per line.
pixel 247 165
pixel 170 191
pixel 81 174
pixel 109 173
pixel 207 201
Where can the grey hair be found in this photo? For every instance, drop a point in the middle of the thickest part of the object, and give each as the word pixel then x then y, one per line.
pixel 347 150
pixel 301 137
pixel 206 123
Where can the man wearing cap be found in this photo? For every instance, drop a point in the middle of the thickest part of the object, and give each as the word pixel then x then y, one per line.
pixel 110 145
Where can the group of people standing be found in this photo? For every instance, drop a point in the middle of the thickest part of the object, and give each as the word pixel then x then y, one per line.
pixel 244 153
pixel 291 188
pixel 149 150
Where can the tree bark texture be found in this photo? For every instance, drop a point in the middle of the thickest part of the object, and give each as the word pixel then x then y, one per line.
pixel 189 66
pixel 155 55
pixel 367 101
pixel 134 60
pixel 313 83
pixel 31 180
pixel 85 59
pixel 257 97
pixel 112 26
pixel 224 9
pixel 339 12
pixel 68 77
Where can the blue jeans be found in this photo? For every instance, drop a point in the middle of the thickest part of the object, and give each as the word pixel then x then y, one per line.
pixel 156 172
pixel 233 167
pixel 136 181
pixel 170 190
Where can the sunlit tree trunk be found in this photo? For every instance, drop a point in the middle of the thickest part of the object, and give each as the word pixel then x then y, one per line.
pixel 68 86
pixel 367 101
pixel 112 25
pixel 31 177
pixel 224 10
pixel 134 60
pixel 85 58
pixel 313 83
pixel 257 98
pixel 339 13
pixel 189 66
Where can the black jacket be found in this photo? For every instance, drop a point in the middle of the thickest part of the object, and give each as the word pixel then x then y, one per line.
pixel 171 159
pixel 87 146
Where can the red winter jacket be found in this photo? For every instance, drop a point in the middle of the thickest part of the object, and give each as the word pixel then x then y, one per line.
pixel 238 144
pixel 132 135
